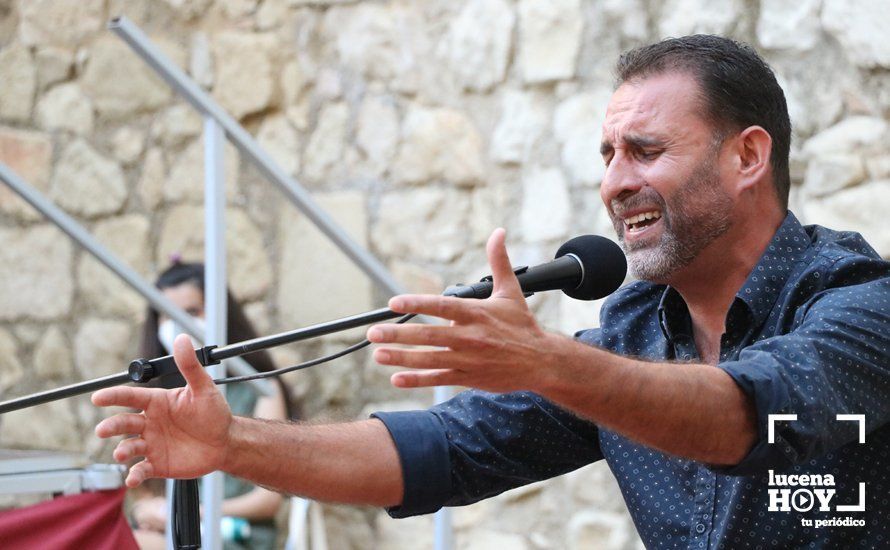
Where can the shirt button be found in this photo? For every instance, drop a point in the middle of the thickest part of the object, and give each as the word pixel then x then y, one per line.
pixel 700 528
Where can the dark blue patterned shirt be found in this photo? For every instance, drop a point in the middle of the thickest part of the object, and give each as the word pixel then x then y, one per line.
pixel 808 335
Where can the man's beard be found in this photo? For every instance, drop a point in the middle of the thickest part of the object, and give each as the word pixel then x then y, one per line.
pixel 698 213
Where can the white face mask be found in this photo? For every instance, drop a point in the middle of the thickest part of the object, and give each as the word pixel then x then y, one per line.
pixel 167 332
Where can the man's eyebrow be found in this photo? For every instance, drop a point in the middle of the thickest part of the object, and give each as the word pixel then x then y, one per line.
pixel 634 140
pixel 642 142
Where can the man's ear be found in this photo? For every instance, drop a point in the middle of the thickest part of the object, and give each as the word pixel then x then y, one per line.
pixel 752 152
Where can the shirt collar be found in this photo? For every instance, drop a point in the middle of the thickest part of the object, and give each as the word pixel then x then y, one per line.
pixel 760 290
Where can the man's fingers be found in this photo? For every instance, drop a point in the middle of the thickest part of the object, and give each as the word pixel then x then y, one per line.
pixel 444 307
pixel 123 396
pixel 417 335
pixel 138 473
pixel 418 358
pixel 425 378
pixel 121 424
pixel 197 378
pixel 506 285
pixel 129 449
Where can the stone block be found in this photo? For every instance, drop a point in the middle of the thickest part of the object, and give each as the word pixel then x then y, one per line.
pixel 317 282
pixel 236 9
pixel 279 138
pixel 597 529
pixel 201 60
pixel 878 166
pixel 127 237
pixel 35 275
pixel 683 17
pixel 272 14
pixel 244 82
pixel 248 267
pixel 851 135
pixel 575 315
pixel 60 431
pixel 19 80
pixel 577 125
pixel 479 43
pixel 550 37
pixel 11 371
pixel 423 224
pixel 627 17
pixel 88 183
pixel 384 42
pixel 28 154
pixel 546 207
pixel 522 121
pixel 127 144
pixel 102 347
pixel 829 173
pixel 789 25
pixel 185 182
pixel 52 356
pixel 59 23
pixel 862 208
pixel 151 180
pixel 377 132
pixel 325 149
pixel 53 65
pixel 404 534
pixel 113 96
pixel 177 125
pixel 486 539
pixel 860 25
pixel 189 9
pixel 65 107
pixel 417 279
pixel 439 144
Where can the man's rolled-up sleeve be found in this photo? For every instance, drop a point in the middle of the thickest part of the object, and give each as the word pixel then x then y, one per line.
pixel 837 361
pixel 479 444
pixel 423 452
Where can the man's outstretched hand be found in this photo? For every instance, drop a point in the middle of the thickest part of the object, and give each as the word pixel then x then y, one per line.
pixel 493 344
pixel 181 433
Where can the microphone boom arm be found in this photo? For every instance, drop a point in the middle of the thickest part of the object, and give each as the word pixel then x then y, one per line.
pixel 143 370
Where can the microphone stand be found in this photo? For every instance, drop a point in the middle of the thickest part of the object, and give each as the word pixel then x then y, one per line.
pixel 186 516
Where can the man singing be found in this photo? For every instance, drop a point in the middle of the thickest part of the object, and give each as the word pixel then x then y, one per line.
pixel 740 313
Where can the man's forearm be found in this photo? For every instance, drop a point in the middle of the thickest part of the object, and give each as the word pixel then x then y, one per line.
pixel 692 410
pixel 354 463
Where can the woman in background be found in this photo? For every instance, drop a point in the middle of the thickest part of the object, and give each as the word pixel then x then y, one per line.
pixel 183 284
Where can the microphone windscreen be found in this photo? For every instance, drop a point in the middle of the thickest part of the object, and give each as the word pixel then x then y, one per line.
pixel 603 262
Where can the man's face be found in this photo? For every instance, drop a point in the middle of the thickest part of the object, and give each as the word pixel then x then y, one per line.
pixel 662 186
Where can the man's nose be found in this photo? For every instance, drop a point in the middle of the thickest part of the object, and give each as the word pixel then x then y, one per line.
pixel 621 180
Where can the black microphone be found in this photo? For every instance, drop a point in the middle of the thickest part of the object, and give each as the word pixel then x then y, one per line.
pixel 588 267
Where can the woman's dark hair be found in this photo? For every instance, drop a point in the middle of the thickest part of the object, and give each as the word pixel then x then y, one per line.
pixel 738 89
pixel 238 327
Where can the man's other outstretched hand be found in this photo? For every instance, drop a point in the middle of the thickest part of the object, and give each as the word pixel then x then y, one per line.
pixel 181 433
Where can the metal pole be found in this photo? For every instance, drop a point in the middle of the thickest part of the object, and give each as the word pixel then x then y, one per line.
pixel 443 533
pixel 214 302
pixel 201 100
pixel 80 235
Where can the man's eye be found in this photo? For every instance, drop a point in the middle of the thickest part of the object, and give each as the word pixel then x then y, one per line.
pixel 649 155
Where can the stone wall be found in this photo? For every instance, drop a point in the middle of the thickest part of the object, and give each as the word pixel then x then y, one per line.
pixel 419 126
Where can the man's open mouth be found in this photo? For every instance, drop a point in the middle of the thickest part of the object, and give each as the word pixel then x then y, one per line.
pixel 641 221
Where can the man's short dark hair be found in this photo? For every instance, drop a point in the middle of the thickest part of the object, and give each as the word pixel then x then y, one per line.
pixel 739 89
